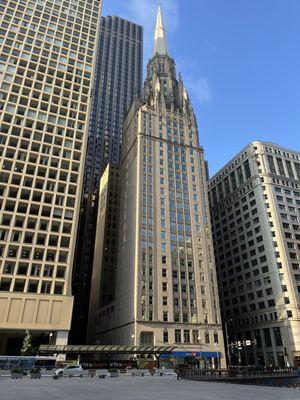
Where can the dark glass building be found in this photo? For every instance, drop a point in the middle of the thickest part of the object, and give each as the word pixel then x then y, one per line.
pixel 118 79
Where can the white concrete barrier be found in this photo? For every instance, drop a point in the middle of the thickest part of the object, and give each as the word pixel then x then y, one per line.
pixel 102 373
pixel 139 372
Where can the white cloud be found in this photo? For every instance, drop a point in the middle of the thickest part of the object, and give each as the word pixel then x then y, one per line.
pixel 199 89
pixel 143 12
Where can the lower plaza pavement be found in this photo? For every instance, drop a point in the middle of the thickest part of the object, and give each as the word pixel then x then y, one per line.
pixel 136 388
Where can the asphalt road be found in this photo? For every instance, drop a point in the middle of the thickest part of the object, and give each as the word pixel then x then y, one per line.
pixel 136 388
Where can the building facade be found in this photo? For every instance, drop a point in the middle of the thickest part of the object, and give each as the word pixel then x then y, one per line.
pixel 166 287
pixel 119 69
pixel 106 247
pixel 46 73
pixel 255 205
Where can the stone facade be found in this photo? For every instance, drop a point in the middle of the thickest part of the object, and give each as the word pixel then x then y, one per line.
pixel 255 205
pixel 166 287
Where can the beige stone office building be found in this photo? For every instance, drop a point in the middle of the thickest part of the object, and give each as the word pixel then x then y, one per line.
pixel 255 210
pixel 166 287
pixel 47 53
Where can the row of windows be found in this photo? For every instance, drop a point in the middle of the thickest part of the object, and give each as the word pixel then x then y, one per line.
pixel 36 270
pixel 186 336
pixel 37 147
pixel 37 183
pixel 283 167
pixel 32 170
pixel 230 183
pixel 35 209
pixel 50 18
pixel 26 253
pixel 31 286
pixel 282 152
pixel 230 200
pixel 122 28
pixel 31 237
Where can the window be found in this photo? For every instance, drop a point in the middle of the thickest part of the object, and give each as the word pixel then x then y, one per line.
pixel 271 165
pixel 216 337
pixel 195 335
pixel 177 336
pixel 165 337
pixel 33 286
pixel 186 336
pixel 5 284
pixel 46 287
pixel 61 271
pixel 9 268
pixel 19 285
pixel 267 337
pixel 277 335
pixel 58 288
pixel 247 169
pixel 240 175
pixel 22 269
pixel 280 166
pixel 207 341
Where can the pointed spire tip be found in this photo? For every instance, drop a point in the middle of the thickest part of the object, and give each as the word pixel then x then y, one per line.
pixel 160 42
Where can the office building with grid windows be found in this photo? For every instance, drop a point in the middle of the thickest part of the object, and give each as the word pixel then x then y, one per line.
pixel 47 53
pixel 166 287
pixel 255 211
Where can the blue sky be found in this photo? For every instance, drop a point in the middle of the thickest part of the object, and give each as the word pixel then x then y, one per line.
pixel 240 61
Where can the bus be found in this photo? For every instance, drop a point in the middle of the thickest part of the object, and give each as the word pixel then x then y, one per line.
pixel 26 363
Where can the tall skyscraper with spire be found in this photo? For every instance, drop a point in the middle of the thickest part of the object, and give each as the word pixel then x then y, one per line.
pixel 166 287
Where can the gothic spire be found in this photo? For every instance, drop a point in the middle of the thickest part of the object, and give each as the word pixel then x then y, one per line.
pixel 160 42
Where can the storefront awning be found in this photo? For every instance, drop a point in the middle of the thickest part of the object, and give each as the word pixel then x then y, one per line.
pixel 105 349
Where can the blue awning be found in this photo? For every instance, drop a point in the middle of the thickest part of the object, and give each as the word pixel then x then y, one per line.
pixel 187 354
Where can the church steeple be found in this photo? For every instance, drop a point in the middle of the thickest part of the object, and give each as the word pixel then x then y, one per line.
pixel 160 42
pixel 162 90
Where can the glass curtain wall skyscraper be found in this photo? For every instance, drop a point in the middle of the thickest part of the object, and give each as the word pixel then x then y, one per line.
pixel 47 51
pixel 119 69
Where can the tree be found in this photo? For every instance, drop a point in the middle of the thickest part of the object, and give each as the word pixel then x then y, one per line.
pixel 27 344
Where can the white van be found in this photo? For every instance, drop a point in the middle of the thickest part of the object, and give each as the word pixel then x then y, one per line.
pixel 72 370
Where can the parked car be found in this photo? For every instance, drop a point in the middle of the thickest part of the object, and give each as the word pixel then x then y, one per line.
pixel 72 370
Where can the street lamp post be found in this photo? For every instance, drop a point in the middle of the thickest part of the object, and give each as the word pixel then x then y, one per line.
pixel 285 358
pixel 133 343
pixel 218 354
pixel 227 339
pixel 200 356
